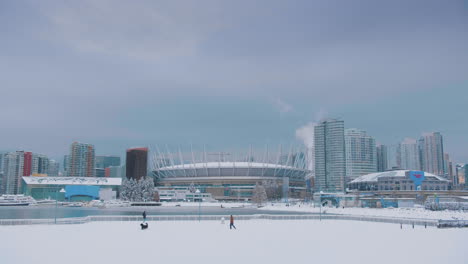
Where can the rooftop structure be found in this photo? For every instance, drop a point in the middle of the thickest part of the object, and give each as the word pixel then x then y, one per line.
pixel 398 180
pixel 228 178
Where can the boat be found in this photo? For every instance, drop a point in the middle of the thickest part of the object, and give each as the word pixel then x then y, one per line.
pixel 46 202
pixel 73 204
pixel 16 200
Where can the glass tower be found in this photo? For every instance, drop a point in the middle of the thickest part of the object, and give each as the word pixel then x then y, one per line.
pixel 330 159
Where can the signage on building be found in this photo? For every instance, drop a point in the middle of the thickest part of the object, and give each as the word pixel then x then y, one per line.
pixel 417 177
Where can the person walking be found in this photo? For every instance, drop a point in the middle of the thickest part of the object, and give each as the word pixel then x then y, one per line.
pixel 231 225
pixel 144 216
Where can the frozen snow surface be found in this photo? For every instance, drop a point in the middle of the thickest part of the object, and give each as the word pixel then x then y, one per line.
pixel 415 212
pixel 254 241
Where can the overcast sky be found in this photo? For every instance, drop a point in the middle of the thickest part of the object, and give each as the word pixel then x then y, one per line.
pixel 229 74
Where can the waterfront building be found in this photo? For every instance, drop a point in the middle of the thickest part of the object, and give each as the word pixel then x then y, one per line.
pixel 136 163
pixel 76 188
pixel 382 157
pixel 81 160
pixel 233 177
pixel 398 180
pixel 330 158
pixel 408 155
pixel 431 149
pixel 361 156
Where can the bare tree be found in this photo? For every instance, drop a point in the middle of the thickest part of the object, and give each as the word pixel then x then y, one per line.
pixel 259 195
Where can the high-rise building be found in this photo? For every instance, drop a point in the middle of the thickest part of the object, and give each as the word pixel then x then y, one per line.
pixel 408 155
pixel 392 157
pixel 330 158
pixel 53 169
pixel 13 170
pixel 136 163
pixel 431 151
pixel 381 158
pixel 66 160
pixel 2 155
pixel 103 162
pixel 448 167
pixel 40 164
pixel 98 172
pixel 115 172
pixel 27 163
pixel 461 176
pixel 81 160
pixel 361 156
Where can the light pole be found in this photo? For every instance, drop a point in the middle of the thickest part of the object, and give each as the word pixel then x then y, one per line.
pixel 199 204
pixel 56 203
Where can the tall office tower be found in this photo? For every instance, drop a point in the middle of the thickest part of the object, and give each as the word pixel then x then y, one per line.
pixel 13 170
pixel 392 157
pixel 103 162
pixel 361 156
pixel 53 169
pixel 81 160
pixel 40 164
pixel 330 157
pixel 66 160
pixel 408 155
pixel 136 163
pixel 381 158
pixel 431 149
pixel 448 167
pixel 27 163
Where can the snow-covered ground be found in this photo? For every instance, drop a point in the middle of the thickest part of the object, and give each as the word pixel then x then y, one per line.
pixel 392 212
pixel 254 241
pixel 206 204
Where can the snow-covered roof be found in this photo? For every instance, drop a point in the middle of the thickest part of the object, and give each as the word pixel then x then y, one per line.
pixel 72 180
pixel 373 177
pixel 225 164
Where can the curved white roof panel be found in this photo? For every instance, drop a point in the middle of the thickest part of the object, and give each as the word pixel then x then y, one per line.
pixel 373 177
pixel 225 164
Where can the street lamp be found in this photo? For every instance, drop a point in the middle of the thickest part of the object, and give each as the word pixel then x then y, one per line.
pixel 56 203
pixel 199 204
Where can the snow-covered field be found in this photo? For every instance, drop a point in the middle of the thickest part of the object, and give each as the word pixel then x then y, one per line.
pixel 255 241
pixel 392 212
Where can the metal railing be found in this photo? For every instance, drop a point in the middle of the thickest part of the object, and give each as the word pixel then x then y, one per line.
pixel 113 218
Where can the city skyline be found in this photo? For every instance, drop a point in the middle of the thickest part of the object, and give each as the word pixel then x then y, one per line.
pixel 394 157
pixel 253 73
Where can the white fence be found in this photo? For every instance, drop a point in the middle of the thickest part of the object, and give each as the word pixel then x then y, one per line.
pixel 394 220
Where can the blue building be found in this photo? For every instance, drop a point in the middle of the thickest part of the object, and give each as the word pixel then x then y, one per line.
pixel 76 188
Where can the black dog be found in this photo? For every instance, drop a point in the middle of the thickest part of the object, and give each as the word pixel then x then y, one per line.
pixel 144 226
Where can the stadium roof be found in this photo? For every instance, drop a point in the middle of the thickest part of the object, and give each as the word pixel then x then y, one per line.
pixel 72 181
pixel 373 177
pixel 225 164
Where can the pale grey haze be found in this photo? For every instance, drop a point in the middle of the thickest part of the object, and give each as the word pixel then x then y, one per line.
pixel 229 73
